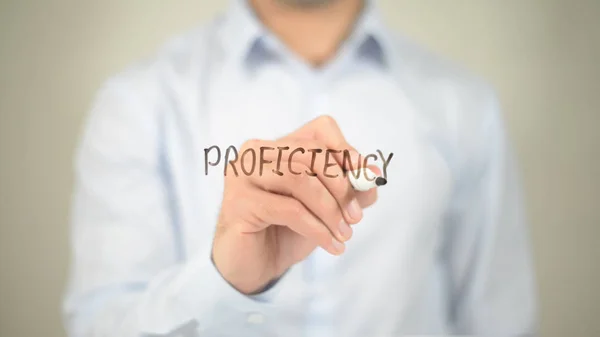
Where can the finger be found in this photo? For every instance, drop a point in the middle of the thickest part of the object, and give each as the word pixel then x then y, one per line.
pixel 312 193
pixel 335 179
pixel 286 211
pixel 317 164
pixel 326 130
pixel 281 152
pixel 288 149
pixel 278 156
pixel 330 173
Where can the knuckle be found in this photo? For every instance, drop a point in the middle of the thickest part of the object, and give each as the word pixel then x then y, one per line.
pixel 327 120
pixel 323 235
pixel 300 181
pixel 341 145
pixel 265 211
pixel 331 221
pixel 298 178
pixel 316 144
pixel 251 144
pixel 306 144
pixel 329 206
pixel 340 187
pixel 313 225
pixel 316 188
pixel 295 209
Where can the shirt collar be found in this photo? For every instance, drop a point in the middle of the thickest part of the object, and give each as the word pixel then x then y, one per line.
pixel 244 36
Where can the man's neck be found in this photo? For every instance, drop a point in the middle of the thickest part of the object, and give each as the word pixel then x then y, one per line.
pixel 313 33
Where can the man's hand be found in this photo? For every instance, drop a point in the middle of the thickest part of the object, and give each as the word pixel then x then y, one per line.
pixel 269 222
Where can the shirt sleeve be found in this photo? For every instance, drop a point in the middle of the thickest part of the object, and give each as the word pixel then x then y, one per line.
pixel 488 250
pixel 128 276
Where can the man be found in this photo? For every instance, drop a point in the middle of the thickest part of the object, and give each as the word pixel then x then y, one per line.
pixel 166 242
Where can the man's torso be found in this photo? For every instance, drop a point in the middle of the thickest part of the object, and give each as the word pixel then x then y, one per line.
pixel 392 271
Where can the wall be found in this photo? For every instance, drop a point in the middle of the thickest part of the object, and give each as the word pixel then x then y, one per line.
pixel 539 54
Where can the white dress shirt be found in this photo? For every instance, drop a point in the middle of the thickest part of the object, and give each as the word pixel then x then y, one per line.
pixel 444 250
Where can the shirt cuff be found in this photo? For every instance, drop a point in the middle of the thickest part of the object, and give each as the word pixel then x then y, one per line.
pixel 269 292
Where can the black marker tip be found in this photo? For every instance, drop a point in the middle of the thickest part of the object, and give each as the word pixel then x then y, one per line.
pixel 380 181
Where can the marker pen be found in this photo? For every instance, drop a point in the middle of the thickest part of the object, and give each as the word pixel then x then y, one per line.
pixel 363 184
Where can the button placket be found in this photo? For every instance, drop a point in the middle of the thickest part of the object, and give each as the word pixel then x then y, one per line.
pixel 255 318
pixel 321 260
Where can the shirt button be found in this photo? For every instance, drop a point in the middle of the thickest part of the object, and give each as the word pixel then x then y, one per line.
pixel 255 318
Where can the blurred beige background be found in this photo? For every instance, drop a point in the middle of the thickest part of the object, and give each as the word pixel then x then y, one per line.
pixel 542 56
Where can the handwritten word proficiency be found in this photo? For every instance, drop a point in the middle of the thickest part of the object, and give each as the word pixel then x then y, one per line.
pixel 247 161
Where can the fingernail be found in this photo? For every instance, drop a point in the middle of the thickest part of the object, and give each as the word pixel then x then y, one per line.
pixel 354 210
pixel 337 246
pixel 345 230
pixel 376 171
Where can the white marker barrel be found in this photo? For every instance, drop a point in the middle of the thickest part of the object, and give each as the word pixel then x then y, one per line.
pixel 361 183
